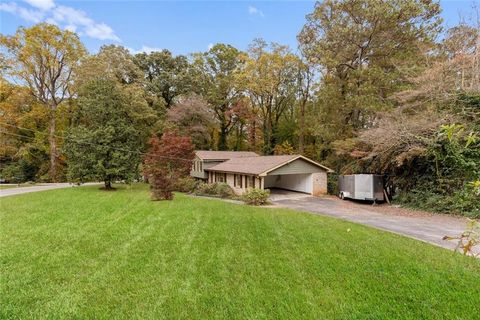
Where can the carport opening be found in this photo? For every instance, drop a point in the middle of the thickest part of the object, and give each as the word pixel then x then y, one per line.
pixel 291 182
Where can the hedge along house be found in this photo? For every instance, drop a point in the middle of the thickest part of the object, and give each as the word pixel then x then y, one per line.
pixel 206 159
pixel 289 172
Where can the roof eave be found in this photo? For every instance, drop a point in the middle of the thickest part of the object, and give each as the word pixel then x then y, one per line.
pixel 293 159
pixel 234 172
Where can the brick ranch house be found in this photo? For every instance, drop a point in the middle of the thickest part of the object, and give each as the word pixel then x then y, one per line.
pixel 243 170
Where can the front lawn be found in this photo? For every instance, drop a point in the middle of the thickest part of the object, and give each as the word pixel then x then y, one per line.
pixel 86 253
pixel 11 186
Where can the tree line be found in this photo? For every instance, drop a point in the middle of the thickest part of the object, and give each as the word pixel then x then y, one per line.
pixel 374 86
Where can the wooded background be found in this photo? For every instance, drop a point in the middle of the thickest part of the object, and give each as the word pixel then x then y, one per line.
pixel 374 87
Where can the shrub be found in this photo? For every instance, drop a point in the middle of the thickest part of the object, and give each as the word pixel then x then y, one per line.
pixel 187 184
pixel 224 190
pixel 205 189
pixel 256 197
pixel 332 183
pixel 463 201
pixel 221 190
pixel 17 172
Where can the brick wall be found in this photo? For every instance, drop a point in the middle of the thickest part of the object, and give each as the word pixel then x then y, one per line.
pixel 319 181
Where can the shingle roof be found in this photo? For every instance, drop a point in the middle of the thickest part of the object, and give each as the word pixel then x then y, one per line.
pixel 223 155
pixel 258 165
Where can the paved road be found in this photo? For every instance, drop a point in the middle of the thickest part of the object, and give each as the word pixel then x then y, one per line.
pixel 421 226
pixel 42 187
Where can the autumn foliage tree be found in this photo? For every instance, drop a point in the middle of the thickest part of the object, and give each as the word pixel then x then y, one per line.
pixel 168 159
pixel 44 58
pixel 192 117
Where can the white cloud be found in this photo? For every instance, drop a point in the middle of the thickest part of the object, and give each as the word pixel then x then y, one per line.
pixel 34 16
pixel 77 19
pixel 41 4
pixel 63 16
pixel 144 49
pixel 71 27
pixel 255 11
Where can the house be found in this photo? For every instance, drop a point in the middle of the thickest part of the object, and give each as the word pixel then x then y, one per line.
pixel 290 172
pixel 206 159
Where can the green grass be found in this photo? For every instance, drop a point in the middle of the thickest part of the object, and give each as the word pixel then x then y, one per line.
pixel 20 185
pixel 11 186
pixel 85 253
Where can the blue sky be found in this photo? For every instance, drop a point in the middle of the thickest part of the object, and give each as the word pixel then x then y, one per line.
pixel 180 26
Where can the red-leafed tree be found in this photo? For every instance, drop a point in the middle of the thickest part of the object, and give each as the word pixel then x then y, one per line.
pixel 168 159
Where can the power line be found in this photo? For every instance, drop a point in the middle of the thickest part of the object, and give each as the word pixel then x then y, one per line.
pixel 91 143
pixel 22 128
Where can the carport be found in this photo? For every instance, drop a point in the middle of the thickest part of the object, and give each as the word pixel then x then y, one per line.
pixel 293 182
pixel 299 174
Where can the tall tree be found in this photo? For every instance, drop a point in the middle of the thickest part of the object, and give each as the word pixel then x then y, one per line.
pixel 368 48
pixel 216 72
pixel 192 117
pixel 367 51
pixel 116 64
pixel 462 47
pixel 305 85
pixel 167 76
pixel 269 78
pixel 45 57
pixel 103 142
pixel 23 134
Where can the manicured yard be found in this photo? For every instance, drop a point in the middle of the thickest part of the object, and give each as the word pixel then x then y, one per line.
pixel 85 253
pixel 10 186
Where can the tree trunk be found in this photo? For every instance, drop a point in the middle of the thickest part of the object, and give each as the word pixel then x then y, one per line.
pixel 253 135
pixel 267 134
pixel 301 132
pixel 53 147
pixel 222 141
pixel 108 185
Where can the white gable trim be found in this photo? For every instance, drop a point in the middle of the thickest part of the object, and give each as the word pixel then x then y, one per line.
pixel 294 159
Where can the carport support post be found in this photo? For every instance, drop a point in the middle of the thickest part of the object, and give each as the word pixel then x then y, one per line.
pixel 261 183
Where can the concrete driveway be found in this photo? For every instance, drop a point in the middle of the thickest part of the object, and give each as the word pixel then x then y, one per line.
pixel 418 225
pixel 42 187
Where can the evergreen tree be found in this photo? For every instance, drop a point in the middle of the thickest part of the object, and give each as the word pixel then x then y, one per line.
pixel 103 142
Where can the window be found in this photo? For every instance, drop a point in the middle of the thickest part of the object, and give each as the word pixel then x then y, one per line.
pixel 251 181
pixel 220 177
pixel 201 165
pixel 237 180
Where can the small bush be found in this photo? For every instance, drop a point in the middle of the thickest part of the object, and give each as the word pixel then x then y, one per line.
pixel 256 197
pixel 205 189
pixel 224 190
pixel 187 184
pixel 332 183
pixel 221 190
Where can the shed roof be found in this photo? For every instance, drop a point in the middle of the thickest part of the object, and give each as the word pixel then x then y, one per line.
pixel 260 165
pixel 223 155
